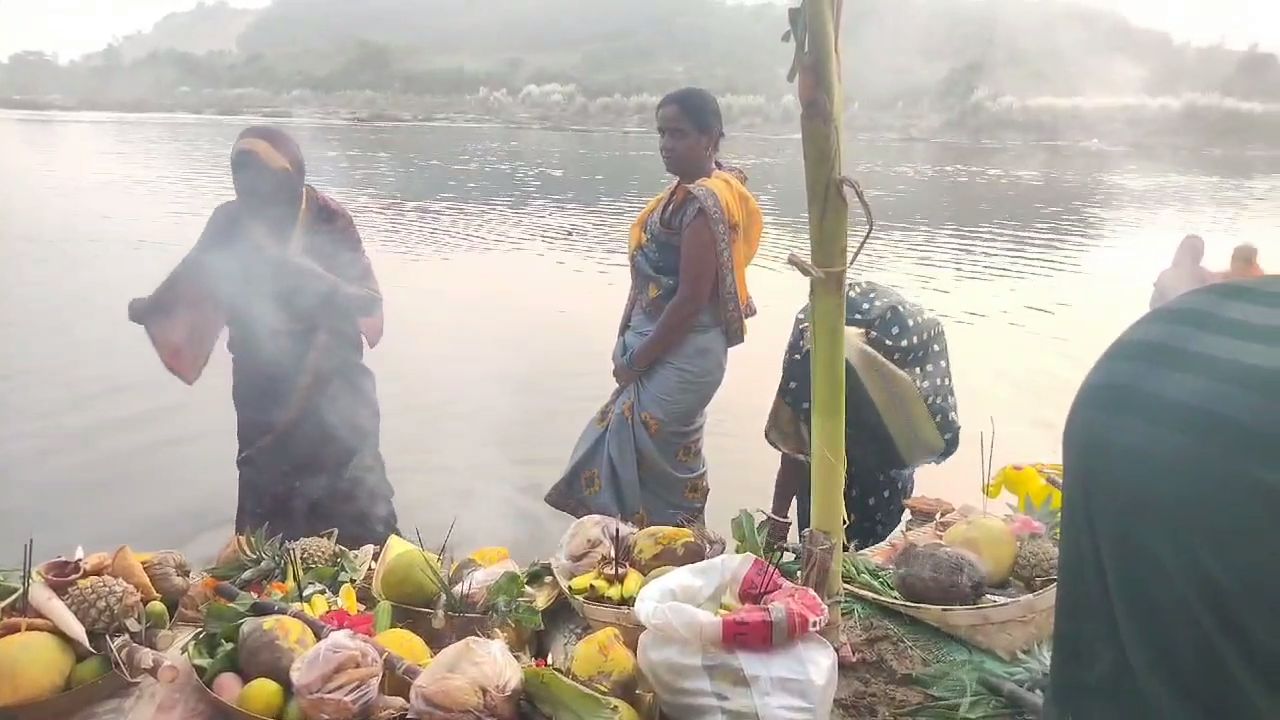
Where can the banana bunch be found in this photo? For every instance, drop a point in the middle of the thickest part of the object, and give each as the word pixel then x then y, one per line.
pixel 611 588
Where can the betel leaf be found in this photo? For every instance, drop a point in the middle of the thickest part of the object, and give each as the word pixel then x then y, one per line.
pixel 507 602
pixel 524 615
pixel 227 660
pixel 746 534
pixel 220 618
pixel 509 587
pixel 325 576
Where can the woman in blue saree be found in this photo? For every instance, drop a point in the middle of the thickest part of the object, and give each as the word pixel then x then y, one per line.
pixel 641 457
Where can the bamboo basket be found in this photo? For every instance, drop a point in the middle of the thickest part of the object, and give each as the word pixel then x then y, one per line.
pixel 70 703
pixel 600 616
pixel 456 626
pixel 1003 626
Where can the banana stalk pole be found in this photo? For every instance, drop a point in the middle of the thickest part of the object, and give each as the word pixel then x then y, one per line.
pixel 815 29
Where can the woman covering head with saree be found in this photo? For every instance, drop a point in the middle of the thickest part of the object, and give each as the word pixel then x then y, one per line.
pixel 1184 274
pixel 283 269
pixel 641 457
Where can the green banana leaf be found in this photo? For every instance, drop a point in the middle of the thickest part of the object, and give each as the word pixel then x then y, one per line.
pixel 563 699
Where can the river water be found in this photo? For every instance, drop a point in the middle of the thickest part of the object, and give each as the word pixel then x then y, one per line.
pixel 501 256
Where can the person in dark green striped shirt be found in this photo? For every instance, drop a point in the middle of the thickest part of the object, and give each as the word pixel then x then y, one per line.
pixel 1168 600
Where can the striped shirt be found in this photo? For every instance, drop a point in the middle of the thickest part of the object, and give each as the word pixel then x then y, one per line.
pixel 1168 600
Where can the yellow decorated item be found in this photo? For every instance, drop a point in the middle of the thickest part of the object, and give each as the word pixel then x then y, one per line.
pixel 1029 484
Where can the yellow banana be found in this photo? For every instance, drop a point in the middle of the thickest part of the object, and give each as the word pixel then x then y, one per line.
pixel 319 605
pixel 614 593
pixel 582 583
pixel 347 599
pixel 631 584
pixel 599 587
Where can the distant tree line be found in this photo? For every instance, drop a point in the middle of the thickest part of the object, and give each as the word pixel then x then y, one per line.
pixel 900 55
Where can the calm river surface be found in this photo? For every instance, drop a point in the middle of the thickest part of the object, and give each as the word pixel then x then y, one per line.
pixel 500 252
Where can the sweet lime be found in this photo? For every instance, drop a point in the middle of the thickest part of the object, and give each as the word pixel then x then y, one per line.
pixel 264 697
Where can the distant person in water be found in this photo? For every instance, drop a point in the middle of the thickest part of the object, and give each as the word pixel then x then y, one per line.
pixel 900 412
pixel 282 267
pixel 1168 580
pixel 1244 264
pixel 641 457
pixel 1185 274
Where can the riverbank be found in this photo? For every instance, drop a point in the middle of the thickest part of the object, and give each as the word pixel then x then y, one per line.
pixel 1197 121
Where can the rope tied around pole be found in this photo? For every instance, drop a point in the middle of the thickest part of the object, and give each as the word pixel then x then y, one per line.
pixel 813 272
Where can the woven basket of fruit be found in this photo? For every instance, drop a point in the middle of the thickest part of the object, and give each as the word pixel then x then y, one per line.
pixel 73 630
pixel 987 580
pixel 602 563
pixel 482 595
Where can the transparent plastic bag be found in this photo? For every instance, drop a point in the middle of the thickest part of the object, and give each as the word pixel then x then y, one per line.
pixel 473 679
pixel 338 679
pixel 761 660
pixel 589 540
pixel 473 588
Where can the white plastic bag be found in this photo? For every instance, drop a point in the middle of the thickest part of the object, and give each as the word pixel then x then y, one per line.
pixel 696 677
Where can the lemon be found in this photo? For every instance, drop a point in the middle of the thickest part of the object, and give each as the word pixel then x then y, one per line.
pixel 405 644
pixel 264 697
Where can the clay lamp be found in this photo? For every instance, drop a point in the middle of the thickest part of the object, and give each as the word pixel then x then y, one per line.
pixel 61 573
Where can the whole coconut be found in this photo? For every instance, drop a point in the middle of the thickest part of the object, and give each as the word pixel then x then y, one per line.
pixel 268 646
pixel 936 574
pixel 411 578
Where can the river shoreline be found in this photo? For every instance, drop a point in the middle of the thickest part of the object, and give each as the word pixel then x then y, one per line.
pixel 1190 122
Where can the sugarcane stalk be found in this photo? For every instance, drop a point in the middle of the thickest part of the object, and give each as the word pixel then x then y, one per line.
pixel 137 660
pixel 391 662
pixel 815 30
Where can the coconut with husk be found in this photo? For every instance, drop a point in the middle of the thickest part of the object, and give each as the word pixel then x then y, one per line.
pixel 937 574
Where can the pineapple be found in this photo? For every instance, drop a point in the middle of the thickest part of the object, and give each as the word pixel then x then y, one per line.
pixel 316 551
pixel 256 558
pixel 1037 559
pixel 105 604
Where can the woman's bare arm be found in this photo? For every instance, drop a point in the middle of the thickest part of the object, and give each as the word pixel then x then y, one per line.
pixel 697 282
pixel 627 307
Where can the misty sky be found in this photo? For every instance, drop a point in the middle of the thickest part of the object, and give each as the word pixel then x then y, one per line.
pixel 74 27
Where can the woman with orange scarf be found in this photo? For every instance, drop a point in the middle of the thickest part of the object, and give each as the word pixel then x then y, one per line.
pixel 1244 264
pixel 641 457
pixel 282 268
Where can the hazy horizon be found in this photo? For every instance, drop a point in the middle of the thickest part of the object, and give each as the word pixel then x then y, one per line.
pixel 72 28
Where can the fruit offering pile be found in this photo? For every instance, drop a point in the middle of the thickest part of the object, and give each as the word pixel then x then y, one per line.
pixel 487 582
pixel 249 662
pixel 607 561
pixel 962 558
pixel 56 617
